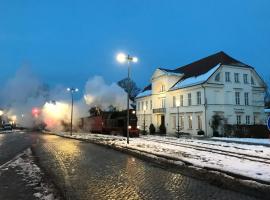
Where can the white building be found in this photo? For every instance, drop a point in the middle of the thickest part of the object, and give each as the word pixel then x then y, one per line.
pixel 217 84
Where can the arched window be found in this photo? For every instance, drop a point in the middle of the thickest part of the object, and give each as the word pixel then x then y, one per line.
pixel 217 78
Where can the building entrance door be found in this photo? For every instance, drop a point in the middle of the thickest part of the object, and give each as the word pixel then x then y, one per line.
pixel 162 120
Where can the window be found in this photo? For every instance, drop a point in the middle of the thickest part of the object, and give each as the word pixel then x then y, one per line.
pixel 217 78
pixel 189 99
pixel 163 102
pixel 227 77
pixel 174 101
pixel 238 119
pixel 237 98
pixel 162 89
pixel 245 76
pixel 246 99
pixel 173 122
pixel 143 105
pixel 252 81
pixel 181 100
pixel 199 119
pixel 139 105
pixel 181 122
pixel 146 105
pixel 199 98
pixel 236 77
pixel 247 119
pixel 190 122
pixel 150 104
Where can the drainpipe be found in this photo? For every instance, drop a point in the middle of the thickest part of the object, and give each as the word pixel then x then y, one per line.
pixel 205 122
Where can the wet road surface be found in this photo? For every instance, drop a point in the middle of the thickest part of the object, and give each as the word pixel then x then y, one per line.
pixel 87 171
pixel 13 143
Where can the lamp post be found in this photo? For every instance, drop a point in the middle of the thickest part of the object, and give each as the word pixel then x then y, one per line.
pixel 144 121
pixel 178 127
pixel 72 91
pixel 122 58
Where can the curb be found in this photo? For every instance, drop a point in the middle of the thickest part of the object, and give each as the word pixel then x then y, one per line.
pixel 215 177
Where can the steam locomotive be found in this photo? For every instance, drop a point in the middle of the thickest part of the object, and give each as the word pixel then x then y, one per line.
pixel 111 122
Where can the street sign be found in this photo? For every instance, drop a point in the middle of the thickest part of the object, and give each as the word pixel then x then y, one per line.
pixel 268 123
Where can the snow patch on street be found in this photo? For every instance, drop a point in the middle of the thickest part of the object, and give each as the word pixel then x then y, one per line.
pixel 33 176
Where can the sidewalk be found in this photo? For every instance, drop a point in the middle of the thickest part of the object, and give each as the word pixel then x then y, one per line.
pixel 22 179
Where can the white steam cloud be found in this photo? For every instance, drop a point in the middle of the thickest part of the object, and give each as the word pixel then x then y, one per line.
pixel 23 92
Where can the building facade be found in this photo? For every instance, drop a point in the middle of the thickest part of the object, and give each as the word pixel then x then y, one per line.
pixel 188 97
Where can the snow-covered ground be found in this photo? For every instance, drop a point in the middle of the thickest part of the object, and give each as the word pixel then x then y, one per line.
pixel 251 161
pixel 32 175
pixel 247 140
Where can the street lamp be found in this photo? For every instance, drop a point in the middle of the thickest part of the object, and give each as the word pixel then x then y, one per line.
pixel 123 58
pixel 72 91
pixel 178 127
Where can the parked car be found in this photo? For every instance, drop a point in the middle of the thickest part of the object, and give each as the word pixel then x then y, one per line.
pixel 7 127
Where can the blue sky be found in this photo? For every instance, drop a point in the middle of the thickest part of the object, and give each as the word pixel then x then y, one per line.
pixel 68 41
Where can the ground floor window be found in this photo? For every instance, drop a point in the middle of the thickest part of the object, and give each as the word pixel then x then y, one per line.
pixel 199 120
pixel 181 122
pixel 190 122
pixel 238 119
pixel 173 122
pixel 247 119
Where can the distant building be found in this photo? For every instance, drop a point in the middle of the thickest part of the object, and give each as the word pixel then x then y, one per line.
pixel 217 84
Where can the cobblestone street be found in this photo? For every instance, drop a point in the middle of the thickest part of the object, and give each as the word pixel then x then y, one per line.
pixel 87 171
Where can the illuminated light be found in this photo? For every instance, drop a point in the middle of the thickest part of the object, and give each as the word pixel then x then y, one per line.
pixel 129 127
pixel 13 118
pixel 76 90
pixel 138 127
pixel 133 112
pixel 36 112
pixel 121 58
pixel 68 89
pixel 135 59
pixel 1 112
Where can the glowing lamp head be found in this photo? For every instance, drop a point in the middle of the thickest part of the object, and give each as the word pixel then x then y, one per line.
pixel 138 127
pixel 68 89
pixel 134 59
pixel 76 90
pixel 129 127
pixel 121 58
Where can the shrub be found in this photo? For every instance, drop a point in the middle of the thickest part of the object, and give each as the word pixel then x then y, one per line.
pixel 162 129
pixel 152 129
pixel 200 132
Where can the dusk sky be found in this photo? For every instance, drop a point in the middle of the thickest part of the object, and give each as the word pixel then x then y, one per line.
pixel 67 42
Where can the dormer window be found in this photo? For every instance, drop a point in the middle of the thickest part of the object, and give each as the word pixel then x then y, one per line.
pixel 217 78
pixel 162 88
pixel 252 81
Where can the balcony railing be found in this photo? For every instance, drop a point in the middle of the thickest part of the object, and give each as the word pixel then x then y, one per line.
pixel 159 110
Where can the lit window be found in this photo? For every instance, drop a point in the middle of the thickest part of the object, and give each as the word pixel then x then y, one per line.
pixel 190 122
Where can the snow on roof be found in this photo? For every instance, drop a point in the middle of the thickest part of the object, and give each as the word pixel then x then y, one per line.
pixel 267 110
pixel 195 80
pixel 144 94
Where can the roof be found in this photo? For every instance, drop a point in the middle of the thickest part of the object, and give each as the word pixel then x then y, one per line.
pixel 205 64
pixel 195 80
pixel 200 70
pixel 144 93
